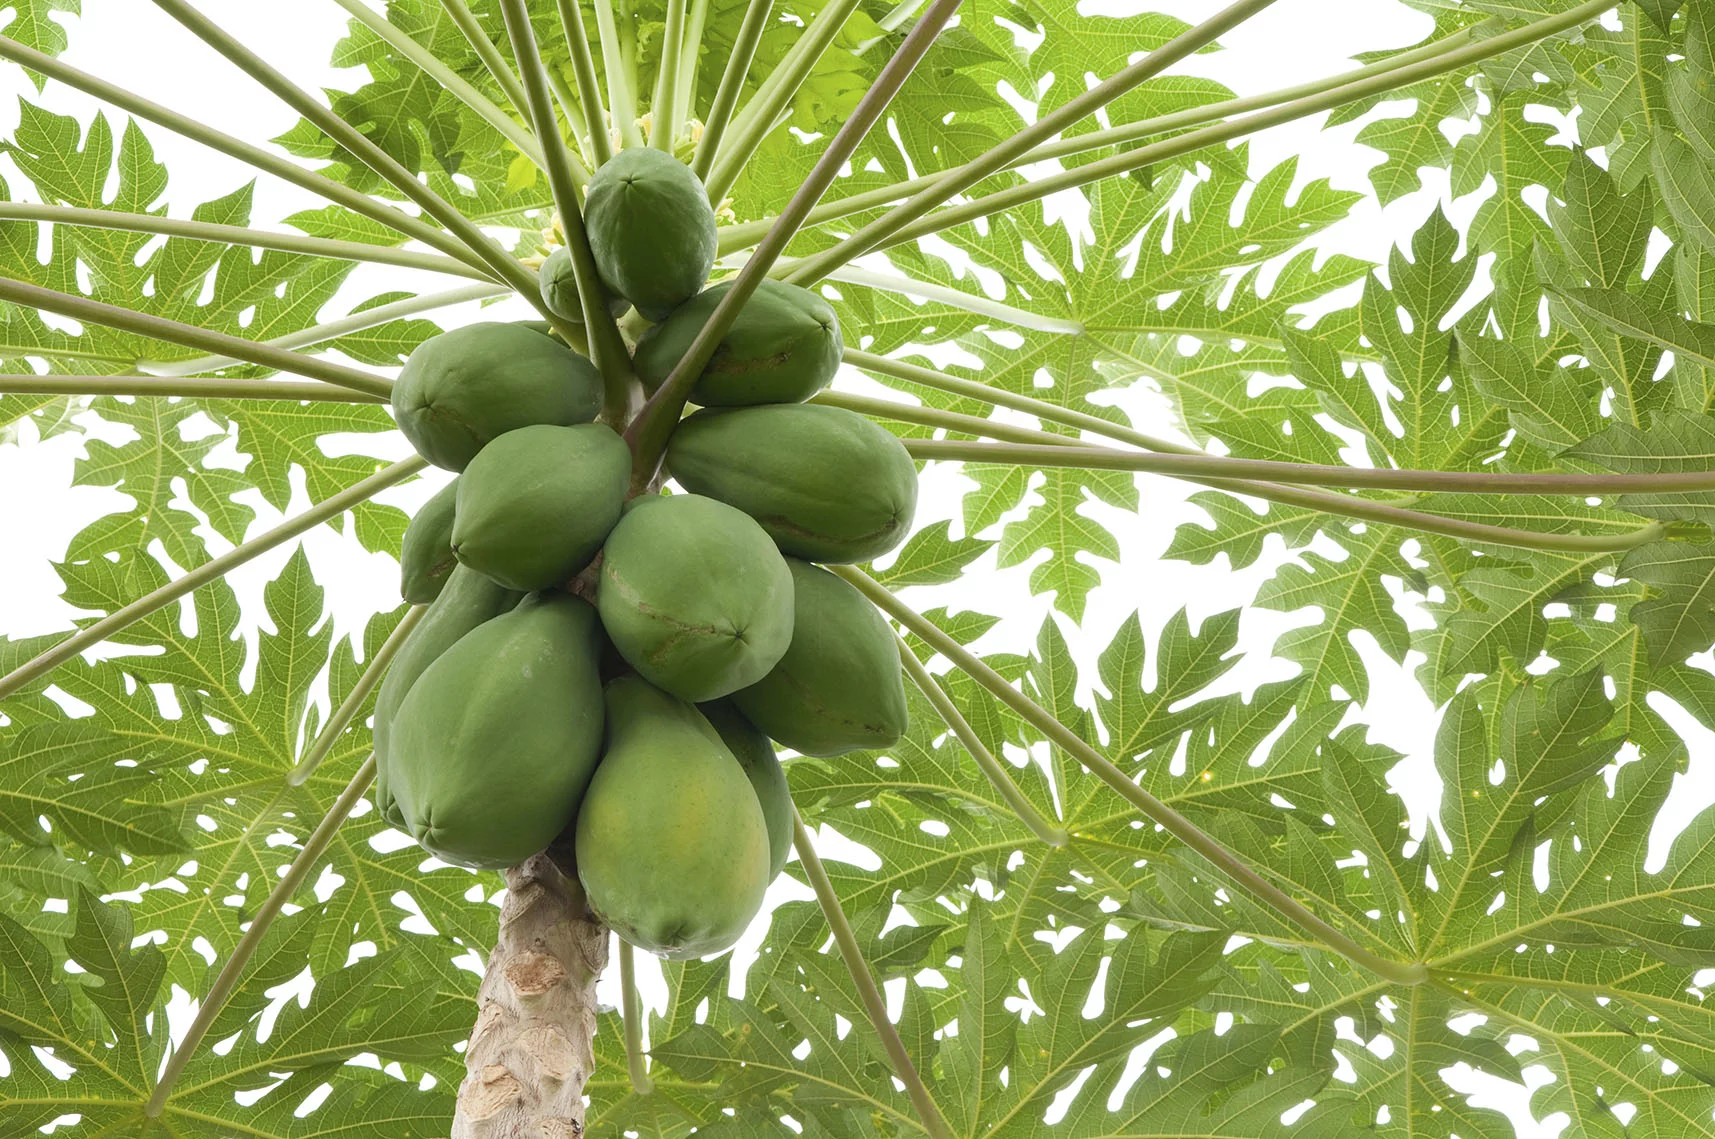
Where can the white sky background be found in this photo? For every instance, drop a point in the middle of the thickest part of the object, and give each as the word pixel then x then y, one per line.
pixel 135 45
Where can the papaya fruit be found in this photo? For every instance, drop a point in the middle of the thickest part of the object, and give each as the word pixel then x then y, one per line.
pixel 559 286
pixel 784 347
pixel 462 388
pixel 651 230
pixel 839 687
pixel 496 741
pixel 536 503
pixel 826 483
pixel 695 596
pixel 671 844
pixel 467 600
pixel 755 753
pixel 426 553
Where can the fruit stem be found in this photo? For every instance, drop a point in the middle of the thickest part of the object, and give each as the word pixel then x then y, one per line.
pixel 198 388
pixel 318 184
pixel 1157 811
pixel 1315 474
pixel 997 158
pixel 589 92
pixel 873 1003
pixel 456 84
pixel 648 433
pixel 606 345
pixel 997 775
pixel 496 64
pixel 664 106
pixel 211 570
pixel 348 708
pixel 322 333
pixel 1127 161
pixel 385 166
pixel 619 94
pixel 756 15
pixel 296 874
pixel 774 96
pixel 173 332
pixel 736 237
pixel 631 1010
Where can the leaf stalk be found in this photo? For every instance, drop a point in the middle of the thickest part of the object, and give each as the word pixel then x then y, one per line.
pixel 343 715
pixel 631 1012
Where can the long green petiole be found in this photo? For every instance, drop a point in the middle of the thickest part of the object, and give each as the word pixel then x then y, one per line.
pixel 999 157
pixel 691 60
pixel 664 106
pixel 774 97
pixel 313 391
pixel 343 715
pixel 631 1012
pixel 874 1005
pixel 756 15
pixel 333 329
pixel 1157 811
pixel 589 91
pixel 320 185
pixel 648 433
pixel 289 884
pixel 502 263
pixel 620 96
pixel 471 28
pixel 190 336
pixel 211 570
pixel 991 768
pixel 460 87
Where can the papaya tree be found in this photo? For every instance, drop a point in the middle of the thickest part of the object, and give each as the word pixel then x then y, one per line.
pixel 765 267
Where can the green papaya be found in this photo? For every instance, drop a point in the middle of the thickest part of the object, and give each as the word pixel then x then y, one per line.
pixel 494 745
pixel 535 504
pixel 559 286
pixel 826 483
pixel 839 687
pixel 695 596
pixel 784 347
pixel 755 753
pixel 462 388
pixel 671 843
pixel 651 230
pixel 426 554
pixel 467 600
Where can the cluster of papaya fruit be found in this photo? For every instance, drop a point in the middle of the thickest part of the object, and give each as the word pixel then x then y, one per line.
pixel 616 669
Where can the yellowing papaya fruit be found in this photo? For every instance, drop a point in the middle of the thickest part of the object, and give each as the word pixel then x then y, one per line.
pixel 495 743
pixel 467 600
pixel 826 483
pixel 559 286
pixel 839 687
pixel 755 753
pixel 536 503
pixel 784 347
pixel 462 388
pixel 651 230
pixel 672 847
pixel 695 596
pixel 426 553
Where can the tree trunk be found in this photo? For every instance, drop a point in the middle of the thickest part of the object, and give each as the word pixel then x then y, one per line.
pixel 533 1045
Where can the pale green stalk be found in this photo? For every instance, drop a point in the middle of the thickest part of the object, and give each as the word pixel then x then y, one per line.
pixel 347 711
pixel 691 60
pixel 664 106
pixel 1154 809
pixel 631 1013
pixel 875 1006
pixel 471 28
pixel 333 329
pixel 238 235
pixel 572 108
pixel 953 298
pixel 312 390
pixel 756 15
pixel 173 332
pixel 289 884
pixel 320 185
pixel 619 93
pixel 997 775
pixel 211 570
pixel 589 90
pixel 1018 144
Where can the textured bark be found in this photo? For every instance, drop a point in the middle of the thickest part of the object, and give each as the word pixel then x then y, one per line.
pixel 533 1045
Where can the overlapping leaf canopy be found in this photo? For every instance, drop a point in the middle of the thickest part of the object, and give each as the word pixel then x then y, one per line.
pixel 1568 325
